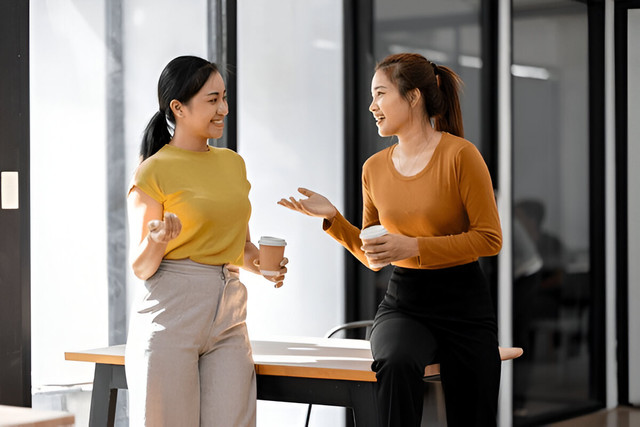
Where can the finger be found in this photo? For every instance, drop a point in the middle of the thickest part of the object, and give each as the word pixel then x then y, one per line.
pixel 173 225
pixel 304 208
pixel 284 262
pixel 306 192
pixel 289 204
pixel 372 249
pixel 286 204
pixel 297 204
pixel 154 225
pixel 278 285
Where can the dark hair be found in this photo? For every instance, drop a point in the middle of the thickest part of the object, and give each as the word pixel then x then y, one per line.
pixel 439 86
pixel 181 79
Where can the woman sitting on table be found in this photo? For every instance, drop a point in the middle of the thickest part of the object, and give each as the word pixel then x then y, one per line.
pixel 188 356
pixel 433 193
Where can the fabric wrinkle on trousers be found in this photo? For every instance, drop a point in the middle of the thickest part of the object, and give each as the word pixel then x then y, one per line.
pixel 441 316
pixel 188 357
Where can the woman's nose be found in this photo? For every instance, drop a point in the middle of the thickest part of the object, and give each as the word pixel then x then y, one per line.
pixel 223 108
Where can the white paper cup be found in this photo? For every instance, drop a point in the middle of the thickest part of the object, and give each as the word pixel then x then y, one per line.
pixel 371 233
pixel 271 254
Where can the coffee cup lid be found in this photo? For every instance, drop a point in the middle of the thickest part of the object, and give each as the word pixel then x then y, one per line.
pixel 373 232
pixel 272 241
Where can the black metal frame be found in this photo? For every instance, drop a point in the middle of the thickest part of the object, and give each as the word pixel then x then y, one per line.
pixel 15 249
pixel 597 226
pixel 358 62
pixel 622 229
pixel 222 40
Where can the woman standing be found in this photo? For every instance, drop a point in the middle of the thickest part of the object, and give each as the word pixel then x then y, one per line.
pixel 433 193
pixel 188 356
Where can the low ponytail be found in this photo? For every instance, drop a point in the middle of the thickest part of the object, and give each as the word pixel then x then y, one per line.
pixel 449 118
pixel 155 136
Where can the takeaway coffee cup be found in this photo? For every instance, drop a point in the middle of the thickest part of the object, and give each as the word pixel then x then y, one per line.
pixel 371 233
pixel 271 254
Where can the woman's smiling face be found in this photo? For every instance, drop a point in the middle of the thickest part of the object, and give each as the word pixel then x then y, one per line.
pixel 389 108
pixel 208 108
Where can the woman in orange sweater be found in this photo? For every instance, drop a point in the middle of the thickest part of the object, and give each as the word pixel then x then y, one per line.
pixel 433 194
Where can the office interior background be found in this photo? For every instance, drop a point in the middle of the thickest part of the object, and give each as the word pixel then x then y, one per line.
pixel 550 99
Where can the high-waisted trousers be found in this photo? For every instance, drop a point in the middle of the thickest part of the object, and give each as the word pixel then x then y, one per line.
pixel 441 316
pixel 188 357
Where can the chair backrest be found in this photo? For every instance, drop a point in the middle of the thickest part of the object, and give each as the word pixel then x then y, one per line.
pixel 367 324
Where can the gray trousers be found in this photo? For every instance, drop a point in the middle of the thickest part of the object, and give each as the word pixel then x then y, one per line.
pixel 188 357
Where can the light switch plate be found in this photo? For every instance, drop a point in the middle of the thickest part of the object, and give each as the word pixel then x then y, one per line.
pixel 9 190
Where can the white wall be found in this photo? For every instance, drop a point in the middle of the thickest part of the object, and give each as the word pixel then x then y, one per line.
pixel 290 130
pixel 68 187
pixel 633 156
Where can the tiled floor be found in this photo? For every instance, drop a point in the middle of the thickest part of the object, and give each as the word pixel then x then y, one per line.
pixel 619 417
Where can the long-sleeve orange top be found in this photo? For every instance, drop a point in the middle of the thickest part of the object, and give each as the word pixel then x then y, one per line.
pixel 449 206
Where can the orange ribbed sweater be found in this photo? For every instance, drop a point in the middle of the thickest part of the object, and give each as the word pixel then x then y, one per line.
pixel 449 206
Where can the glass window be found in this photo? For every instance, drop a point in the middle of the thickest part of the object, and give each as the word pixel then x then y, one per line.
pixel 552 277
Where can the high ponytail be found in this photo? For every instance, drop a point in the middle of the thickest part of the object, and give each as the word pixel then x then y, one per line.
pixel 439 86
pixel 181 79
pixel 449 117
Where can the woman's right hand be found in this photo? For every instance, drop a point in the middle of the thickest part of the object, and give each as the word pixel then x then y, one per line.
pixel 165 230
pixel 314 205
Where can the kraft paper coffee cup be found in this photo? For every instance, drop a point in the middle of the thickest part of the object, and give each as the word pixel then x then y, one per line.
pixel 271 254
pixel 371 233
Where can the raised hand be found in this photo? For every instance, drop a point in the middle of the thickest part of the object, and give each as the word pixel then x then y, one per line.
pixel 314 205
pixel 165 230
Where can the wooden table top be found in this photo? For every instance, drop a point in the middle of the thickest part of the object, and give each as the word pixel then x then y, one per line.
pixel 17 416
pixel 309 357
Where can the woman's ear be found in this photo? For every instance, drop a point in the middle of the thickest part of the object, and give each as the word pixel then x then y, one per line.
pixel 176 106
pixel 414 97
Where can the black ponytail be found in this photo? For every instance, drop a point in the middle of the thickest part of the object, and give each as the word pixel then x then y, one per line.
pixel 155 135
pixel 181 79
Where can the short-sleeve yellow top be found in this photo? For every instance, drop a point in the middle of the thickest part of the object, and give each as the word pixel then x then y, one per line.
pixel 209 192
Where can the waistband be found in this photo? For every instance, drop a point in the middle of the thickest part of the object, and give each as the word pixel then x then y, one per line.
pixel 191 267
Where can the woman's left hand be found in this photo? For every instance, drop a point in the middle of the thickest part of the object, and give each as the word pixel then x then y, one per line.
pixel 389 248
pixel 278 279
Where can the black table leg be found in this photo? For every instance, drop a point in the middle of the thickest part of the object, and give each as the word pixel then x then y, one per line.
pixel 103 398
pixel 106 382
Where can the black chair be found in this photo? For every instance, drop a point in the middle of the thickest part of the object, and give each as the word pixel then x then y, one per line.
pixel 367 324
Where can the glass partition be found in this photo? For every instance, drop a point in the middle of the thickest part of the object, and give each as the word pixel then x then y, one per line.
pixel 551 213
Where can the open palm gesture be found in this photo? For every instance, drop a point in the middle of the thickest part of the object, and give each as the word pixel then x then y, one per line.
pixel 314 205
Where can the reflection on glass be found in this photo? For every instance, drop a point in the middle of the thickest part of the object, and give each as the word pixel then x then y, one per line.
pixel 551 210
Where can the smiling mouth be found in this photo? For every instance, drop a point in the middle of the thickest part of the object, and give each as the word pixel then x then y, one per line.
pixel 379 119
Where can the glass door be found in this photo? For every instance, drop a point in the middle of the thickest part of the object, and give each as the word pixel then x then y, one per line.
pixel 555 264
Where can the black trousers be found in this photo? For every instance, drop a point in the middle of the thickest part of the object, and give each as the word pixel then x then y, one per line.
pixel 441 316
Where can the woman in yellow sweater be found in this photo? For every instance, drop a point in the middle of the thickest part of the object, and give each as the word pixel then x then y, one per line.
pixel 433 193
pixel 188 356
